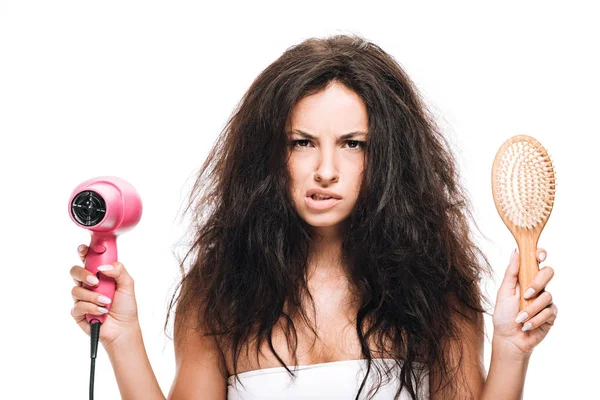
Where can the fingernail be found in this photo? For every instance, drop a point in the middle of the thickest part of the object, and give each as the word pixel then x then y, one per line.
pixel 512 256
pixel 542 255
pixel 526 327
pixel 521 317
pixel 103 299
pixel 105 267
pixel 529 292
pixel 92 280
pixel 80 248
pixel 102 310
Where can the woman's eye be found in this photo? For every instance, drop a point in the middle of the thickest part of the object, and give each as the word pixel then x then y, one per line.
pixel 357 142
pixel 296 142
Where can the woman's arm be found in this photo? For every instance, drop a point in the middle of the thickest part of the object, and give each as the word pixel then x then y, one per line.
pixel 506 377
pixel 132 368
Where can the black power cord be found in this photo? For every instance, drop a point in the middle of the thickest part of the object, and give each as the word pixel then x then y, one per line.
pixel 94 336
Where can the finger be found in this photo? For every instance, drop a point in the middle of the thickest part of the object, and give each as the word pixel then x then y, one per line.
pixel 74 314
pixel 546 316
pixel 82 275
pixel 82 251
pixel 118 272
pixel 81 294
pixel 540 281
pixel 509 283
pixel 83 307
pixel 538 305
pixel 541 254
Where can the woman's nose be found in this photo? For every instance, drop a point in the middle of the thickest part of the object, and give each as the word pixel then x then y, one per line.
pixel 327 170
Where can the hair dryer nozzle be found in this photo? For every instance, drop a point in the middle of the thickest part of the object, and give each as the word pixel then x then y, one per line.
pixel 88 208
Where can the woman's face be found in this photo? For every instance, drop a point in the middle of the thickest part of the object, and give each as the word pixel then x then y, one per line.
pixel 326 160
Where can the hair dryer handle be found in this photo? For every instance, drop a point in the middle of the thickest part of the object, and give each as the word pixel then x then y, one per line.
pixel 101 251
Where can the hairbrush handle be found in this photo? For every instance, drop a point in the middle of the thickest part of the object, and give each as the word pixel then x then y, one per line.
pixel 528 263
pixel 102 250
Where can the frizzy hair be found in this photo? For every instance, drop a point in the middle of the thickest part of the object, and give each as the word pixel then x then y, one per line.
pixel 408 245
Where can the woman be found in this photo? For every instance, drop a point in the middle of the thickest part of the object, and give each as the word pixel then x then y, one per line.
pixel 372 293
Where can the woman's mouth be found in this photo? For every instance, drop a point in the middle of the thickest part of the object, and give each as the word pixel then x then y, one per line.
pixel 320 202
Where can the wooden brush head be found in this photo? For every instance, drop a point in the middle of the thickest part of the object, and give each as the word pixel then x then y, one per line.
pixel 523 187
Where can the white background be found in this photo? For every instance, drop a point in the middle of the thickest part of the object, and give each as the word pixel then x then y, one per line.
pixel 141 90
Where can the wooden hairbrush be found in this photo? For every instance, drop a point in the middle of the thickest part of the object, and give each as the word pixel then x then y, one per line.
pixel 523 187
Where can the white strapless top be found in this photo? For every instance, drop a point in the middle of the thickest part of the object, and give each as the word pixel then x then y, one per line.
pixel 332 380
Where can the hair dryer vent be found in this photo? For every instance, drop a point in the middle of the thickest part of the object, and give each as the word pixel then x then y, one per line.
pixel 88 208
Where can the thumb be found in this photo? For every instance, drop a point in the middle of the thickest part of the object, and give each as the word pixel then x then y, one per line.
pixel 511 276
pixel 117 271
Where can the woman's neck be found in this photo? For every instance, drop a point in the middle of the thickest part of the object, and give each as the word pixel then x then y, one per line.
pixel 325 260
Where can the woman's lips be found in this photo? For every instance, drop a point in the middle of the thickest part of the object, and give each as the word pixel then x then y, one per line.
pixel 320 204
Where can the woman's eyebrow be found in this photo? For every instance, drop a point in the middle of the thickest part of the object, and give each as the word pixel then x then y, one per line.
pixel 342 137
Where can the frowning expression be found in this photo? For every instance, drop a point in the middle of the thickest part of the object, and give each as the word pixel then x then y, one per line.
pixel 327 136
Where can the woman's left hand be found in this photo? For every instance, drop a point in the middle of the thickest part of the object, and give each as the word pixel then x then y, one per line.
pixel 541 313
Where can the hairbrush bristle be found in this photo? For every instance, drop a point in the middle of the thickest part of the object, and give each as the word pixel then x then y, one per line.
pixel 526 183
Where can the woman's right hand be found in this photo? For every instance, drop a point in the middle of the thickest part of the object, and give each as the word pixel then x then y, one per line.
pixel 122 319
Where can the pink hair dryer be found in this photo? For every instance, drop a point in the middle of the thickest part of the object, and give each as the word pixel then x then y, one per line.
pixel 106 206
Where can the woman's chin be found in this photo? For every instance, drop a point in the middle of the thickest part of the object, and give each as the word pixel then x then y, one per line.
pixel 324 221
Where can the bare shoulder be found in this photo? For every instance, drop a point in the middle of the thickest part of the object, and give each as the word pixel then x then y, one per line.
pixel 465 358
pixel 200 371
